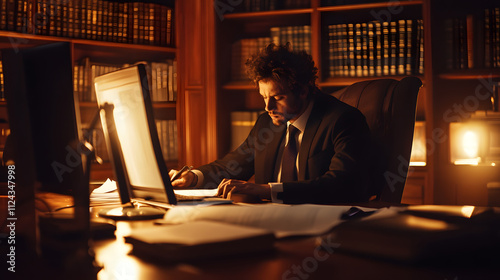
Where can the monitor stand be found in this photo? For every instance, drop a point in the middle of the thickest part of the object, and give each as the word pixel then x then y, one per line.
pixel 131 212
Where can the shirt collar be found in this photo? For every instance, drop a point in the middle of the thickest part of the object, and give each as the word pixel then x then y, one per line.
pixel 301 122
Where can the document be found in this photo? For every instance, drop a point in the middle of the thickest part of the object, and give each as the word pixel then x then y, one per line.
pixel 283 220
pixel 198 239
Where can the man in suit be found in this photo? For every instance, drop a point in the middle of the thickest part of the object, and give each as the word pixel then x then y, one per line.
pixel 324 159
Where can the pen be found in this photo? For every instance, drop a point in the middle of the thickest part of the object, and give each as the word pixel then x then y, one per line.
pixel 178 174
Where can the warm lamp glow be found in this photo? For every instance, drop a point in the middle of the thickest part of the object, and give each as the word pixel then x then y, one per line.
pixel 470 144
pixel 467 143
pixel 418 149
pixel 467 211
pixel 425 223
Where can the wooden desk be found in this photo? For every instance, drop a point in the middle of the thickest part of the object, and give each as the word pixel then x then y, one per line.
pixel 295 258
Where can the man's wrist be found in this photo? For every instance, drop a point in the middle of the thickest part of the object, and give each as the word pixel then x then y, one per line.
pixel 198 178
pixel 276 192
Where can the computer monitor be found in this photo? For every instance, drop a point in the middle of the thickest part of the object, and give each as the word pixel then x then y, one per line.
pixel 44 115
pixel 132 141
pixel 45 145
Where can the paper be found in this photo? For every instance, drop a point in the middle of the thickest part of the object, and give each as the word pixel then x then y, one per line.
pixel 105 195
pixel 197 192
pixel 107 187
pixel 198 232
pixel 283 220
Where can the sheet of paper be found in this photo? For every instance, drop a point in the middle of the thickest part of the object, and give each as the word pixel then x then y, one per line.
pixel 197 192
pixel 107 187
pixel 197 232
pixel 283 220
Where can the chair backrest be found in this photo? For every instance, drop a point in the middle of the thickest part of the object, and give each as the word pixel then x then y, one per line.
pixel 389 107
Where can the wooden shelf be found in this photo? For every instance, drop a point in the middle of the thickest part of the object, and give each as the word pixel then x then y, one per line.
pixel 12 37
pixel 345 81
pixel 158 105
pixel 264 14
pixel 330 82
pixel 239 85
pixel 471 74
pixel 368 6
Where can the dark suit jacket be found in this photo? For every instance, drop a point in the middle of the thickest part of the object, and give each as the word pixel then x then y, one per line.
pixel 333 156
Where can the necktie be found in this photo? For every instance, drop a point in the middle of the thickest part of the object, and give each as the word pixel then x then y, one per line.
pixel 288 166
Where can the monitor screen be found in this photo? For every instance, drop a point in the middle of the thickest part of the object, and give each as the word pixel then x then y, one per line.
pixel 44 115
pixel 131 136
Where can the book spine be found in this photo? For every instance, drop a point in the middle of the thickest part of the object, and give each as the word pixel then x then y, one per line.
pixel 401 25
pixel 11 15
pixel 100 20
pixel 487 38
pixel 364 49
pixel 393 48
pixel 3 15
pixel 371 48
pixel 420 47
pixel 307 40
pixel 409 47
pixel 332 44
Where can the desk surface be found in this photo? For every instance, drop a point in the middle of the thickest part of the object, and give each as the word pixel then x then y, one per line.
pixel 293 258
pixel 296 258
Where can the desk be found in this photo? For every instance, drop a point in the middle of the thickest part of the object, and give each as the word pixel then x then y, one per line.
pixel 293 259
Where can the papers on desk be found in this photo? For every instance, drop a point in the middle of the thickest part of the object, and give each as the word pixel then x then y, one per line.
pixel 197 240
pixel 189 232
pixel 283 220
pixel 105 195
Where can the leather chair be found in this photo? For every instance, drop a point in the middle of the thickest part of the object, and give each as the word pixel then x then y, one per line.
pixel 389 107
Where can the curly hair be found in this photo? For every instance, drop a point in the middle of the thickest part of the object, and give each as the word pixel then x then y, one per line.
pixel 281 64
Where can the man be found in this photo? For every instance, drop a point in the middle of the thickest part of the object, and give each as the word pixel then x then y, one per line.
pixel 330 137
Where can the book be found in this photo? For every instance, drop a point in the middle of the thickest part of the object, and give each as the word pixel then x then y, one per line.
pixel 375 48
pixel 242 123
pixel 198 240
pixel 115 21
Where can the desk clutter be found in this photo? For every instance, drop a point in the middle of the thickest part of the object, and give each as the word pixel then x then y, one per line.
pixel 412 234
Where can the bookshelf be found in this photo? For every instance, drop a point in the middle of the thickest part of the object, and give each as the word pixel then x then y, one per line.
pixel 464 57
pixel 458 64
pixel 104 36
pixel 328 26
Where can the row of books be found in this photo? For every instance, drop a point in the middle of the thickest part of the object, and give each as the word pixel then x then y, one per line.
pixel 271 5
pixel 299 38
pixel 162 79
pixel 376 48
pixel 474 40
pixel 115 21
pixel 241 124
pixel 241 51
pixel 167 134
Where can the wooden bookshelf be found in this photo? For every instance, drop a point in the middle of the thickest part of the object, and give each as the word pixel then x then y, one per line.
pixel 107 50
pixel 241 95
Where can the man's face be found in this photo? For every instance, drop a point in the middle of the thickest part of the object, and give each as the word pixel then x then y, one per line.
pixel 281 104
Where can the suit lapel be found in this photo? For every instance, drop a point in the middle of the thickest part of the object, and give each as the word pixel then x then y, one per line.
pixel 312 126
pixel 267 162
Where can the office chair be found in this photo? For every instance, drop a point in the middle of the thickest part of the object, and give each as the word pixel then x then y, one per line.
pixel 389 107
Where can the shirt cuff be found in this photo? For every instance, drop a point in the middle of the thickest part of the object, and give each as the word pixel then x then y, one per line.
pixel 200 177
pixel 275 189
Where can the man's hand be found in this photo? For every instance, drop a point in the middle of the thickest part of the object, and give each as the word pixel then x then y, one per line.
pixel 185 180
pixel 229 187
